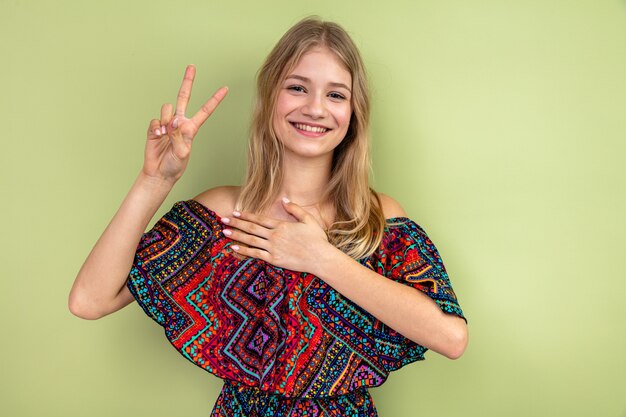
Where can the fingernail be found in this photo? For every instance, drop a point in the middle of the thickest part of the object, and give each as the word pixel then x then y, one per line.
pixel 235 247
pixel 157 131
pixel 175 123
pixel 236 213
pixel 163 130
pixel 227 232
pixel 285 200
pixel 225 220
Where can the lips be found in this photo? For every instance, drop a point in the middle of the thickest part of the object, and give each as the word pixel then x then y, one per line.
pixel 310 128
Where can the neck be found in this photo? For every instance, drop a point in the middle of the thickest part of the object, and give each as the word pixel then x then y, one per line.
pixel 305 180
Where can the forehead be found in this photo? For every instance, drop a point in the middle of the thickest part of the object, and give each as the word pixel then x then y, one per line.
pixel 318 62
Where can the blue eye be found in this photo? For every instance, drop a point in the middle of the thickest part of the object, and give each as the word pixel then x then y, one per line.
pixel 297 88
pixel 337 96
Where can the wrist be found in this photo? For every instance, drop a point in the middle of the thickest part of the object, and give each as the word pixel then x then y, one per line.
pixel 151 190
pixel 328 261
pixel 151 183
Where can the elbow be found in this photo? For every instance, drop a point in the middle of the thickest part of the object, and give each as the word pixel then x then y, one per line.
pixel 81 308
pixel 458 340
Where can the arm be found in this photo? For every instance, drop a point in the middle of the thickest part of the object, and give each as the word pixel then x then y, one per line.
pixel 99 288
pixel 303 246
pixel 406 310
pixel 392 302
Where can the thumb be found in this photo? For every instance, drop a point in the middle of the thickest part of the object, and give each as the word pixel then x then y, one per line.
pixel 295 210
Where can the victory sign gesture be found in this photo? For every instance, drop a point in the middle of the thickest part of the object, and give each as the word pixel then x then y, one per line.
pixel 168 146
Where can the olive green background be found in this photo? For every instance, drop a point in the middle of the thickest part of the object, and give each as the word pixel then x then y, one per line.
pixel 498 125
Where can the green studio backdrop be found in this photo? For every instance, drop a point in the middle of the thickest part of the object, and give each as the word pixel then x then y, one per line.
pixel 499 127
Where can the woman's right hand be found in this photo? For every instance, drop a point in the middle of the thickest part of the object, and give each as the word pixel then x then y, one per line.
pixel 169 139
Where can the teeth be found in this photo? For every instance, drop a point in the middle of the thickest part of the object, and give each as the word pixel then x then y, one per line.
pixel 308 128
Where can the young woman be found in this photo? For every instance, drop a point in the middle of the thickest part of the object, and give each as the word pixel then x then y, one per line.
pixel 302 287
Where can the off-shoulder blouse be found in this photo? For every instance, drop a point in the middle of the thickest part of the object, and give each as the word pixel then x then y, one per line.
pixel 279 333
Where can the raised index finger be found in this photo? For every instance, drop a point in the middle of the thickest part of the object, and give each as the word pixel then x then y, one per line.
pixel 185 90
pixel 208 107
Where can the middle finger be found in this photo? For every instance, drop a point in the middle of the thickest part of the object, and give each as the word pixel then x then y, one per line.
pixel 248 239
pixel 247 226
pixel 185 90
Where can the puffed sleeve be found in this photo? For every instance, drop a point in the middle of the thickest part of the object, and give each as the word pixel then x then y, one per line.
pixel 409 257
pixel 166 259
pixel 413 259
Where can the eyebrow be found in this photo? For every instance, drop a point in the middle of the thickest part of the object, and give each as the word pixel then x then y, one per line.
pixel 307 80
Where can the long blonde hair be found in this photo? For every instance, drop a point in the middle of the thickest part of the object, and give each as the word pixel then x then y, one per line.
pixel 359 221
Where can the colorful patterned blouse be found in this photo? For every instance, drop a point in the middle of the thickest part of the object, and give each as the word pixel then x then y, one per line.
pixel 284 342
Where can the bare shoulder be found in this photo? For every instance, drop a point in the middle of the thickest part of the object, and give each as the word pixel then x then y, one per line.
pixel 220 199
pixel 391 208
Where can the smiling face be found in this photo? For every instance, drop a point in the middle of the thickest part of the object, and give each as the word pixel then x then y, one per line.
pixel 313 107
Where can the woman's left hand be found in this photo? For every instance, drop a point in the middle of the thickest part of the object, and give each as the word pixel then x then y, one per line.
pixel 298 246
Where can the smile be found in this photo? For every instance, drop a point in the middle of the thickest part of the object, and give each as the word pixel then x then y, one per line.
pixel 308 128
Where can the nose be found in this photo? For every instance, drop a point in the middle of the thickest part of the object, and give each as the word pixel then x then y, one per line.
pixel 314 106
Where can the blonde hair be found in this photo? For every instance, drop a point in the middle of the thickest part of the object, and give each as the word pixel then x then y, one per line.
pixel 359 222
